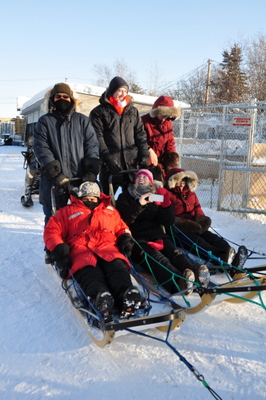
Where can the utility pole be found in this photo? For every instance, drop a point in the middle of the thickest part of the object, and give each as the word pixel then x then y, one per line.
pixel 208 83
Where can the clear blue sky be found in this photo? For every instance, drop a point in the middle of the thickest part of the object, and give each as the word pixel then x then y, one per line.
pixel 42 42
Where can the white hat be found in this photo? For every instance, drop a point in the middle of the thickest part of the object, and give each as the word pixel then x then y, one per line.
pixel 88 189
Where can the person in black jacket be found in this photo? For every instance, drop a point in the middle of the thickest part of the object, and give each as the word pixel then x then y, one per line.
pixel 145 219
pixel 67 149
pixel 120 131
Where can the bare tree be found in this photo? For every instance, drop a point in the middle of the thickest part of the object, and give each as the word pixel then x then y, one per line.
pixel 256 67
pixel 106 73
pixel 193 89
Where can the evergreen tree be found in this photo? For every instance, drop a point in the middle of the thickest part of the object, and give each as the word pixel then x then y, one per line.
pixel 230 83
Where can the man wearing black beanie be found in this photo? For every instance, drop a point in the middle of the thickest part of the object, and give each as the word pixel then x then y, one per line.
pixel 119 128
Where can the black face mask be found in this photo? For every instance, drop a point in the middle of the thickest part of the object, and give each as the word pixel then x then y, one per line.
pixel 91 204
pixel 62 106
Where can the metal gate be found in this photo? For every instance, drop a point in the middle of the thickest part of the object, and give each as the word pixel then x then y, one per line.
pixel 226 147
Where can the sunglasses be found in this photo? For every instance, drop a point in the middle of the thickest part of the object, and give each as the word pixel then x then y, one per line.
pixel 61 96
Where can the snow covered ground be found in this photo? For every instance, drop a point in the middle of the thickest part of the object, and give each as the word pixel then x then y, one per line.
pixel 46 353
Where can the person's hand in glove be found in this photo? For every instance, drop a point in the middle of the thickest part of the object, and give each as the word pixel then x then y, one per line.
pixel 53 172
pixel 143 162
pixel 166 198
pixel 125 244
pixel 61 256
pixel 113 166
pixel 61 181
pixel 91 167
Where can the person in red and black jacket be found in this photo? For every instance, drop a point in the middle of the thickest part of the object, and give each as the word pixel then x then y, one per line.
pixel 191 220
pixel 159 127
pixel 89 239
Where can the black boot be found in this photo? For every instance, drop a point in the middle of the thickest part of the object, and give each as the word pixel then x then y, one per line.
pixel 131 302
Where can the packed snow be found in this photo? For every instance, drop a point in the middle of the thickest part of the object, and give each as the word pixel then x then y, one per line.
pixel 47 353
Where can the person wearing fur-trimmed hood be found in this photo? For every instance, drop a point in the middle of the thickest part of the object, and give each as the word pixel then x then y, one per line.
pixel 159 127
pixel 66 147
pixel 191 219
pixel 145 219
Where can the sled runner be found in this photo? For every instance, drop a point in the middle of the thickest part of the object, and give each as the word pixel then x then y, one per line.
pixel 153 313
pixel 32 177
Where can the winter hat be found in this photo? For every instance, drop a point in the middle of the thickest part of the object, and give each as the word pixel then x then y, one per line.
pixel 88 189
pixel 116 83
pixel 61 88
pixel 145 172
pixel 164 107
pixel 176 175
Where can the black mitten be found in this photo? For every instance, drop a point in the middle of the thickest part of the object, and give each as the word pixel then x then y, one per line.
pixel 61 180
pixel 91 168
pixel 51 170
pixel 113 166
pixel 125 244
pixel 204 221
pixel 61 256
pixel 187 225
pixel 91 164
pixel 143 162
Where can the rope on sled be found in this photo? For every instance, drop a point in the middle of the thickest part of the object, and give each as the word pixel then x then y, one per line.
pixel 236 244
pixel 195 372
pixel 173 274
pixel 209 256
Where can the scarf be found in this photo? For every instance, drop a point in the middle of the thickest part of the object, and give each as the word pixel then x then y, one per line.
pixel 119 105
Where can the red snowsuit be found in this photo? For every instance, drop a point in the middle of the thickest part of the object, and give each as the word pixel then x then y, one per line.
pixel 88 233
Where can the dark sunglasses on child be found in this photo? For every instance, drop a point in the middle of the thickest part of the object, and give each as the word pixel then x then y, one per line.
pixel 61 96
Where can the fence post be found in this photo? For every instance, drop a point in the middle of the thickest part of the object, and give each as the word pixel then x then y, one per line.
pixel 222 162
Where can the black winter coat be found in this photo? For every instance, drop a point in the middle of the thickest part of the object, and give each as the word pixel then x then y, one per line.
pixel 144 221
pixel 67 140
pixel 121 136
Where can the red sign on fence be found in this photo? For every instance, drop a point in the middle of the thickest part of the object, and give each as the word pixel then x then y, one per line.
pixel 243 121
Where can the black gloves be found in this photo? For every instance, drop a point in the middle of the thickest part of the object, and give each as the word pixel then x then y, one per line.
pixel 61 181
pixel 204 221
pixel 112 165
pixel 60 255
pixel 52 172
pixel 91 167
pixel 143 162
pixel 125 244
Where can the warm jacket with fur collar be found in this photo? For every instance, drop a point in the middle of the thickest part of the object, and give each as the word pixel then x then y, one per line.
pixel 160 135
pixel 66 138
pixel 186 203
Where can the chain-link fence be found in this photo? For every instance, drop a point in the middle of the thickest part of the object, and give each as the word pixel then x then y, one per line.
pixel 226 147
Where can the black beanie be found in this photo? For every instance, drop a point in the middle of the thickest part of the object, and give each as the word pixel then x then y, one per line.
pixel 61 88
pixel 115 84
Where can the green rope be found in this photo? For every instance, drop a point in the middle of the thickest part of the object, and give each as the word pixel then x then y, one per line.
pixel 173 274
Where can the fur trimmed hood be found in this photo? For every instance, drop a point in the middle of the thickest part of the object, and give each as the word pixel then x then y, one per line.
pixel 164 106
pixel 176 175
pixel 47 105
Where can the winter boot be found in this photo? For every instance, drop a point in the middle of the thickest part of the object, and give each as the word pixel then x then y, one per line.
pixel 131 302
pixel 104 304
pixel 203 275
pixel 238 262
pixel 188 282
pixel 231 255
pixel 48 257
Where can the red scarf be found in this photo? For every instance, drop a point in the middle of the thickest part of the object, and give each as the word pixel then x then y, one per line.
pixel 118 108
